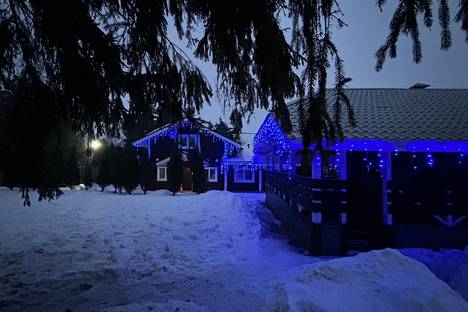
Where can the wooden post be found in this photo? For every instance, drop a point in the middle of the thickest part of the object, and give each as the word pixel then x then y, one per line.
pixel 386 176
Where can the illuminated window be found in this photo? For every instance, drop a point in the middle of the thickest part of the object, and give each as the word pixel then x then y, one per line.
pixel 244 175
pixel 188 141
pixel 162 173
pixel 212 174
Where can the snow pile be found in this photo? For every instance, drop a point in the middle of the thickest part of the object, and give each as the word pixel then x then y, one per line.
pixel 382 280
pixel 450 265
pixel 162 192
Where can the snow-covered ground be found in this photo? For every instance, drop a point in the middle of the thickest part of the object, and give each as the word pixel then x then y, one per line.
pixel 93 251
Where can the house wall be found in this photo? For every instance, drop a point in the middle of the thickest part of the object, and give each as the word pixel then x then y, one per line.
pixel 211 150
pixel 241 187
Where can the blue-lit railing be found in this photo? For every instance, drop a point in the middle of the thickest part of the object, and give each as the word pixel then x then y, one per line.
pixel 316 201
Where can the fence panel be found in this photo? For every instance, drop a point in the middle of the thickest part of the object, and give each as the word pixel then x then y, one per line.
pixel 428 201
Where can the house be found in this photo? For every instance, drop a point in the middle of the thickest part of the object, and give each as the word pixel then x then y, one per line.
pixel 227 163
pixel 399 178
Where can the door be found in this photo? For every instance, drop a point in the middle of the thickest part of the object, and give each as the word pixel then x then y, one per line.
pixel 187 179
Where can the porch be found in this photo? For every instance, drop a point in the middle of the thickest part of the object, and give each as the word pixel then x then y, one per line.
pixel 332 216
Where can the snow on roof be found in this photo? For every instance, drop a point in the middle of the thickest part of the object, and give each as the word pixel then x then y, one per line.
pixel 168 126
pixel 246 153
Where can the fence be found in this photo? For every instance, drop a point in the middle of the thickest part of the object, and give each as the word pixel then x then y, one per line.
pixel 329 217
pixel 428 201
pixel 320 201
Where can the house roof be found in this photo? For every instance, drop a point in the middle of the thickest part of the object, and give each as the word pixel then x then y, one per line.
pixel 158 131
pixel 402 114
pixel 246 153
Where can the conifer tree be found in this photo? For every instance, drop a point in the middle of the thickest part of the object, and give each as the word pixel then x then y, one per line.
pixel 146 170
pixel 88 176
pixel 129 169
pixel 105 167
pixel 200 182
pixel 175 170
pixel 233 133
pixel 117 159
pixel 79 60
pixel 72 172
pixel 55 163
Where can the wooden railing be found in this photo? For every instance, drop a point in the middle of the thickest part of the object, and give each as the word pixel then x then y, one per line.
pixel 316 201
pixel 428 201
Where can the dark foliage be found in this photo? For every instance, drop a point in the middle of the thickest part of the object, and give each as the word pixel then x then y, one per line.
pixel 222 128
pixel 88 176
pixel 129 169
pixel 117 174
pixel 199 179
pixel 105 167
pixel 405 22
pixel 79 59
pixel 137 125
pixel 72 171
pixel 146 170
pixel 175 170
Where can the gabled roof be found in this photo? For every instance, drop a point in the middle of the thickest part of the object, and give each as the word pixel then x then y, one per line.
pixel 402 114
pixel 167 127
pixel 246 153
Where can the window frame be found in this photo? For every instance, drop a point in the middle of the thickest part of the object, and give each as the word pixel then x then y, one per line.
pixel 207 169
pixel 187 137
pixel 158 176
pixel 243 179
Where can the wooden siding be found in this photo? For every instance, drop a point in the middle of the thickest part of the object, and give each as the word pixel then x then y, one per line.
pixel 241 187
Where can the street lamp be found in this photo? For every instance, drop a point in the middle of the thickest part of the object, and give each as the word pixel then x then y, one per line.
pixel 95 144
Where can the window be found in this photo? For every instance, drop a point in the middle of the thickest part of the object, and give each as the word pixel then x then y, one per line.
pixel 244 175
pixel 212 174
pixel 162 173
pixel 188 141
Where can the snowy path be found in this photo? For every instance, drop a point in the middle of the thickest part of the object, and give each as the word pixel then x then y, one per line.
pixel 92 251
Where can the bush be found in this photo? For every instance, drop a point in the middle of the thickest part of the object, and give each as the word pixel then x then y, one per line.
pixel 105 167
pixel 146 170
pixel 72 172
pixel 129 169
pixel 88 177
pixel 116 161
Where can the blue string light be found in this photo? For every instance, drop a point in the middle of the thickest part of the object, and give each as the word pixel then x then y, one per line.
pixel 429 160
pixel 270 134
